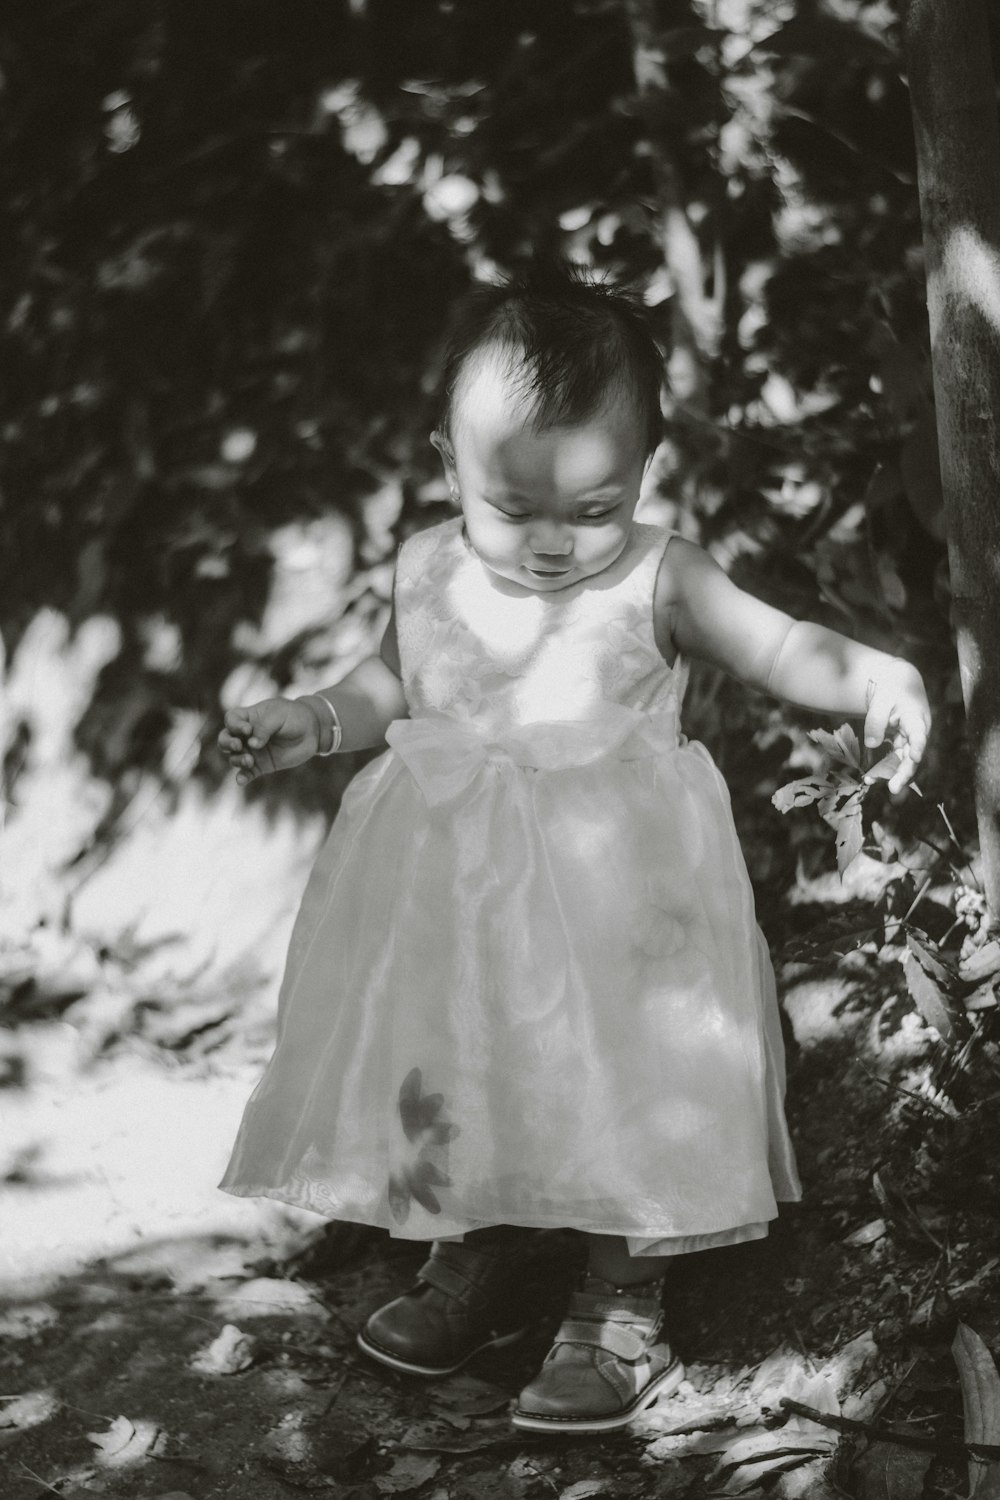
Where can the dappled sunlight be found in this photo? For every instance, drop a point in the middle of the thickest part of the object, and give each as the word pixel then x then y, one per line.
pixel 131 1155
pixel 26 1320
pixel 989 749
pixel 184 914
pixel 203 885
pixel 127 1444
pixel 27 1410
pixel 311 576
pixel 53 805
pixel 971 269
pixel 235 244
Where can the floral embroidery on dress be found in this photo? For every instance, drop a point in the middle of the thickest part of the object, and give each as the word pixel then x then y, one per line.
pixel 660 927
pixel 473 650
pixel 415 1179
pixel 625 653
pixel 658 934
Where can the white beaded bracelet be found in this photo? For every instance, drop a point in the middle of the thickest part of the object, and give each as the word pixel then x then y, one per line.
pixel 336 728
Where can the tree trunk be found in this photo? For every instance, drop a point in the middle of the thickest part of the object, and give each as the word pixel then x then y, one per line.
pixel 953 99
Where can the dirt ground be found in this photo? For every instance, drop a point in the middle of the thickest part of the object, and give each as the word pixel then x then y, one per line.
pixel 162 1339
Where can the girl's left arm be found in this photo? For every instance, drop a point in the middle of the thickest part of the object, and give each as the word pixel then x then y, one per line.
pixel 708 617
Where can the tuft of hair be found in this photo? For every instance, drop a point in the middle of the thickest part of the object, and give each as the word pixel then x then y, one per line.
pixel 570 341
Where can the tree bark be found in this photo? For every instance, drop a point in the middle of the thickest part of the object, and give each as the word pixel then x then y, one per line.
pixel 954 105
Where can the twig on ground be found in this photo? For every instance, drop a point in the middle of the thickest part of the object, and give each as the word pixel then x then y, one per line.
pixel 942 1260
pixel 545 1478
pixel 334 1395
pixel 335 1314
pixel 882 1433
pixel 39 1480
pixel 895 1389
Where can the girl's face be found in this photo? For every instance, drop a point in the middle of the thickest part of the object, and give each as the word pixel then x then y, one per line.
pixel 542 509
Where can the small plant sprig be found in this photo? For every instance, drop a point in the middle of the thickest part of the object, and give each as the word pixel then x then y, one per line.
pixel 950 990
pixel 840 791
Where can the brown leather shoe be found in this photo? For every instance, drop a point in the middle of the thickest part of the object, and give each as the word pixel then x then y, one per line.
pixel 605 1365
pixel 449 1316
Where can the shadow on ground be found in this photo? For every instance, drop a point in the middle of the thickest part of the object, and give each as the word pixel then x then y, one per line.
pixel 111 1399
pixel 189 1365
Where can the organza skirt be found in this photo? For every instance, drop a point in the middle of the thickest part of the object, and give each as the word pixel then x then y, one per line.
pixel 525 986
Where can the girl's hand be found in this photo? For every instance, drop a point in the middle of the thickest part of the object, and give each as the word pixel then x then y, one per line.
pixel 899 703
pixel 268 736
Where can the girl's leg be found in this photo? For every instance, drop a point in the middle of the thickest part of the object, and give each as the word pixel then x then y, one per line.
pixel 609 1258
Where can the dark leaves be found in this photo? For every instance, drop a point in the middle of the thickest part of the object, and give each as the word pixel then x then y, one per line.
pixel 931 999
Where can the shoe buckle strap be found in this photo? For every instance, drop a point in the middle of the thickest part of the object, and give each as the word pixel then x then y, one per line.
pixel 625 1343
pixel 446 1279
pixel 615 1313
pixel 468 1279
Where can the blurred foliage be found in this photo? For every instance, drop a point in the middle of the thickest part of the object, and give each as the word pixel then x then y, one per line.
pixel 236 229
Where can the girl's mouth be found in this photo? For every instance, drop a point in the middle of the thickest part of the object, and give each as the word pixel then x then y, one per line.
pixel 548 572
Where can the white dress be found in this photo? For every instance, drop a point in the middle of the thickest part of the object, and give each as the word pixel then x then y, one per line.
pixel 526 985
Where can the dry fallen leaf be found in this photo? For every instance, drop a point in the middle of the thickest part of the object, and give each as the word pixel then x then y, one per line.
pixel 435 1437
pixel 469 1397
pixel 290 1452
pixel 407 1473
pixel 125 1443
pixel 29 1410
pixel 270 1297
pixel 228 1354
pixel 886 1471
pixel 866 1235
pixel 980 1384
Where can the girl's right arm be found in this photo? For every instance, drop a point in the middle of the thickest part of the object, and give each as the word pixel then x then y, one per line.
pixel 278 733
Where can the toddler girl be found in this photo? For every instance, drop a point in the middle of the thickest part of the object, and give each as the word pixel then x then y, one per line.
pixel 525 986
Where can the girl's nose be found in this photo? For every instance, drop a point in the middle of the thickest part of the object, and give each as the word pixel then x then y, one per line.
pixel 549 540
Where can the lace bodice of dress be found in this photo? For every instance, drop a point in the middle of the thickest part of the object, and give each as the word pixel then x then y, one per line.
pixel 477 648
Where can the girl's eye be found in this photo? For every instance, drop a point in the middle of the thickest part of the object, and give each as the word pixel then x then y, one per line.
pixel 513 515
pixel 598 515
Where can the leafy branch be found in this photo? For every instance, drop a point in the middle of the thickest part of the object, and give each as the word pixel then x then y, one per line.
pixel 948 989
pixel 839 792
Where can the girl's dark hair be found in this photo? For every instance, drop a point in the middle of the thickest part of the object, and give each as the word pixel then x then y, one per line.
pixel 577 340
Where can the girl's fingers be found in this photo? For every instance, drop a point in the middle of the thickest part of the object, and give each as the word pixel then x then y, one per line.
pixel 907 766
pixel 243 724
pixel 877 722
pixel 904 775
pixel 911 742
pixel 245 732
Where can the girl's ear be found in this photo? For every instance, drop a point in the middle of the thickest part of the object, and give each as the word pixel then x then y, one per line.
pixel 442 443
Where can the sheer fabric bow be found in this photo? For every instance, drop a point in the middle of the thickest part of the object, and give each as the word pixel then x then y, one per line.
pixel 445 754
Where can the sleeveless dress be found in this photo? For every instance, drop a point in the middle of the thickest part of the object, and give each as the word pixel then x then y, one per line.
pixel 525 984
